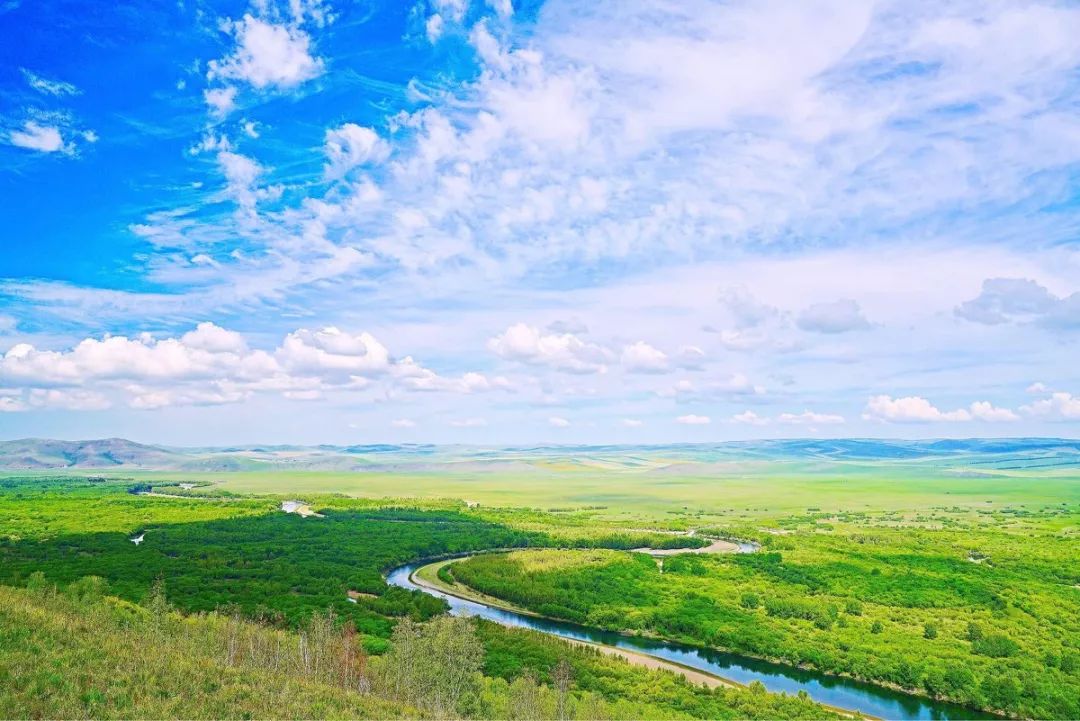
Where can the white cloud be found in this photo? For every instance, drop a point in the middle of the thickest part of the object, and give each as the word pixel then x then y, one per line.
pixel 351 145
pixel 417 378
pixel 557 422
pixel 693 420
pixel 640 357
pixel 222 101
pixel 985 411
pixel 72 400
pixel 914 409
pixel 839 316
pixel 1006 300
pixel 49 87
pixel 433 28
pixel 631 423
pixel 212 338
pixel 211 365
pixel 1037 387
pixel 266 55
pixel 809 418
pixel 43 138
pixel 911 409
pixel 335 352
pixel 242 176
pixel 403 423
pixel 1060 406
pixel 749 418
pixel 564 352
pixel 12 404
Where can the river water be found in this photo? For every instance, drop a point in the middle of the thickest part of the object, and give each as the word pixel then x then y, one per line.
pixel 845 693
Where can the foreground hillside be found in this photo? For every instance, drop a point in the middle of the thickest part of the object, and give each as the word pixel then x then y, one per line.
pixel 81 655
pixel 78 653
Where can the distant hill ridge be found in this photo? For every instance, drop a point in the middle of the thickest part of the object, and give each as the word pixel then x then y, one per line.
pixel 119 453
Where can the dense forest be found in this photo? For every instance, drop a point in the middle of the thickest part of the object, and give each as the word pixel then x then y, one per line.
pixel 245 554
pixel 961 611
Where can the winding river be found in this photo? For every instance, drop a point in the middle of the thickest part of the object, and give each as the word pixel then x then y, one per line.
pixel 868 699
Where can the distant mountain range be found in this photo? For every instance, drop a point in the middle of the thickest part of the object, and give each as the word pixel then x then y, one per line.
pixel 121 454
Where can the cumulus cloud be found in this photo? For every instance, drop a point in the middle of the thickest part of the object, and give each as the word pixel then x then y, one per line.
pixel 558 422
pixel 641 357
pixel 266 55
pixel 1006 300
pixel 914 409
pixel 749 418
pixel 417 378
pixel 220 100
pixel 212 365
pixel 561 351
pixel 985 411
pixel 693 420
pixel 840 316
pixel 352 145
pixel 1060 406
pixel 910 409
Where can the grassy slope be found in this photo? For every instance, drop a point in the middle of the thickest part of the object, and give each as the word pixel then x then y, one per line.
pixel 65 658
pixel 66 655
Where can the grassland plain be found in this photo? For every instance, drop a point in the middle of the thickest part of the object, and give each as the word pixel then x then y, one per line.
pixel 732 490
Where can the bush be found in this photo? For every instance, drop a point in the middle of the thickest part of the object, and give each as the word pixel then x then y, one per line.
pixel 750 600
pixel 995 645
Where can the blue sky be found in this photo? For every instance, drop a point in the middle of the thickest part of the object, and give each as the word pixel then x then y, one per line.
pixel 499 222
